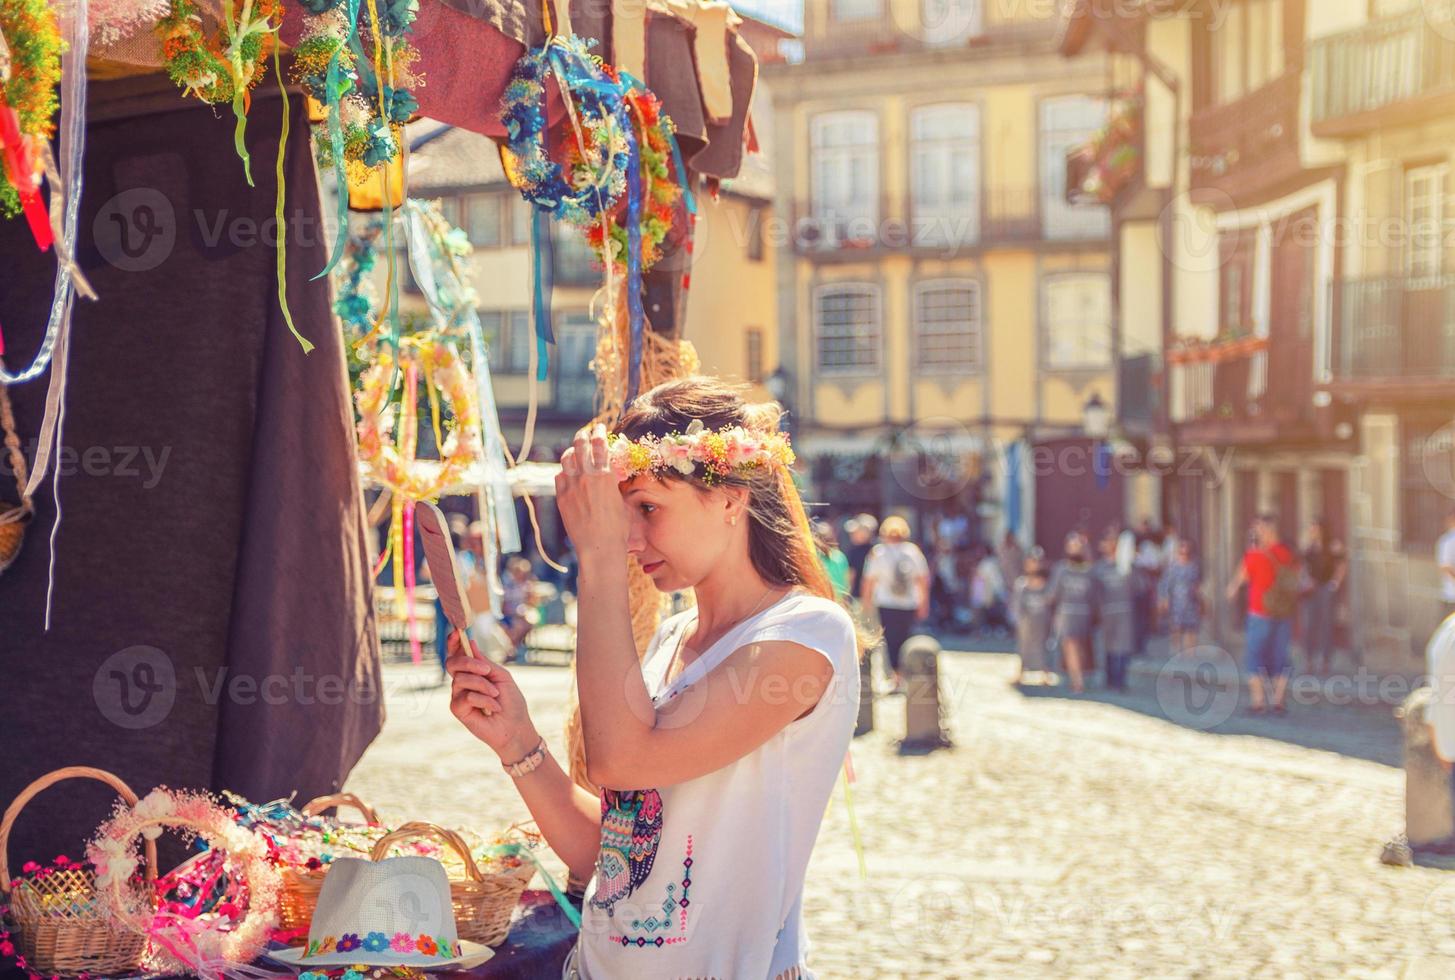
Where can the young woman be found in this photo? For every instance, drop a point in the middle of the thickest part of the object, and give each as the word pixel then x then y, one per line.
pixel 718 751
pixel 1074 598
pixel 1180 599
pixel 1032 604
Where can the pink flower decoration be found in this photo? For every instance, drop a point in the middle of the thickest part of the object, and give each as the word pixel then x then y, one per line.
pixel 402 942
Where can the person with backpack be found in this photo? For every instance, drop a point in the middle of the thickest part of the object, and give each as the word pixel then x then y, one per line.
pixel 1271 571
pixel 897 584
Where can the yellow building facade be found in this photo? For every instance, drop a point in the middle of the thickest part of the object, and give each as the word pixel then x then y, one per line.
pixel 1295 190
pixel 939 296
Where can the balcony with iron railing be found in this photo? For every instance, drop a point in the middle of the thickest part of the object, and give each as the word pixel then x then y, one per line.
pixel 1220 390
pixel 1249 145
pixel 1387 71
pixel 1396 335
pixel 1019 218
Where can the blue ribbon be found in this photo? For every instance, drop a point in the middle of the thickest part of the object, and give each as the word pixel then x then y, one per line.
pixel 540 239
pixel 634 183
pixel 671 133
pixel 336 140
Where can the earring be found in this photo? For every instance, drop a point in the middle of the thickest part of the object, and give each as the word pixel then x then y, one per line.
pixel 733 520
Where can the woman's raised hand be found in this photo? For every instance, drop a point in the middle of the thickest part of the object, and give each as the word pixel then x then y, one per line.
pixel 588 496
pixel 486 700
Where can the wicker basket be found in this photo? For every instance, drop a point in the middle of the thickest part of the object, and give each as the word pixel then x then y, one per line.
pixel 483 903
pixel 301 886
pixel 62 927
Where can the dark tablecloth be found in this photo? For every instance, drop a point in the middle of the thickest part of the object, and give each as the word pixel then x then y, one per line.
pixel 536 948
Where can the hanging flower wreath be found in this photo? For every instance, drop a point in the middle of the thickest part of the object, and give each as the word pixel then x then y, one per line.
pixel 28 100
pixel 332 65
pixel 391 462
pixel 600 151
pixel 352 283
pixel 215 69
pixel 653 136
pixel 204 943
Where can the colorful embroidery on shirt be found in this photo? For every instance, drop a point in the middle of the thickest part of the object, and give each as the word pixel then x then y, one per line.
pixel 631 830
pixel 673 908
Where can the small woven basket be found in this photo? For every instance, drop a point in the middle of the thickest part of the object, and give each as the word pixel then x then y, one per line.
pixel 483 903
pixel 61 924
pixel 301 886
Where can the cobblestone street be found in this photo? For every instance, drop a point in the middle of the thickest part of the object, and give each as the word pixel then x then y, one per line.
pixel 1059 837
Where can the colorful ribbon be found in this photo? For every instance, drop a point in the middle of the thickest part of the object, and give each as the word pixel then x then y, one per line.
pixel 635 316
pixel 21 170
pixel 540 237
pixel 279 204
pixel 336 87
pixel 670 131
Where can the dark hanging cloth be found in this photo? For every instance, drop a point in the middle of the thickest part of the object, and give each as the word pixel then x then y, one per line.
pixel 493 34
pixel 212 622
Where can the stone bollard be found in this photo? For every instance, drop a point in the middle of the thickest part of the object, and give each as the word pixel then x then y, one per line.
pixel 920 663
pixel 865 724
pixel 1427 784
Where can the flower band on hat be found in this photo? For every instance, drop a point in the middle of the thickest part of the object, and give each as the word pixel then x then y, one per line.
pixel 720 452
pixel 378 942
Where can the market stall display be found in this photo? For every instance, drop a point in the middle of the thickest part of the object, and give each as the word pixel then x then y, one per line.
pixel 258 879
pixel 240 370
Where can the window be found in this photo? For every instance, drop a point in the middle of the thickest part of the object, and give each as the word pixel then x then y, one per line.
pixel 575 262
pixel 575 347
pixel 482 218
pixel 1427 477
pixel 1424 210
pixel 754 368
pixel 1239 252
pixel 1078 321
pixel 856 9
pixel 520 220
pixel 1068 122
pixel 944 22
pixel 845 174
pixel 755 234
pixel 510 338
pixel 945 174
pixel 1246 49
pixel 947 326
pixel 846 320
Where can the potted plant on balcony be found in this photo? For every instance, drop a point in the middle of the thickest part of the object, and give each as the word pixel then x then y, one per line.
pixel 1188 349
pixel 1101 167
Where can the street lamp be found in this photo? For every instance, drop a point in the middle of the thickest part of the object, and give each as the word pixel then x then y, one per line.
pixel 1096 418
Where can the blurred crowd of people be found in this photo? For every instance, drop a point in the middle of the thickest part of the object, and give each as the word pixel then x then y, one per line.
pixel 1088 612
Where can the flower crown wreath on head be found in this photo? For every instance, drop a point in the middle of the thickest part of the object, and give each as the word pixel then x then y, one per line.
pixel 728 451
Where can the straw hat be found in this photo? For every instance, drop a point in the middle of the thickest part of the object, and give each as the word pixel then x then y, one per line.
pixel 395 912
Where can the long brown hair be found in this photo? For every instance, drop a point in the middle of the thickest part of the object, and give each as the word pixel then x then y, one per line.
pixel 780 540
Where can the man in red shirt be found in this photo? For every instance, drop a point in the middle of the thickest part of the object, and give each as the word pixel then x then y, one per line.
pixel 1270 570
